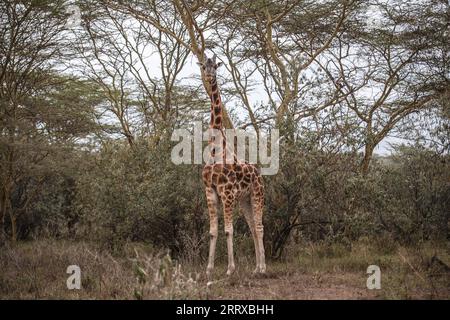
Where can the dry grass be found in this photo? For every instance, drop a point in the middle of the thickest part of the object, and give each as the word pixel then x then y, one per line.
pixel 37 270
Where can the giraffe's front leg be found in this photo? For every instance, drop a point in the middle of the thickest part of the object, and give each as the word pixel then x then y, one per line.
pixel 213 232
pixel 228 222
pixel 212 200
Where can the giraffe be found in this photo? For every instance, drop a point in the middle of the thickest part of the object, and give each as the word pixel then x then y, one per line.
pixel 230 183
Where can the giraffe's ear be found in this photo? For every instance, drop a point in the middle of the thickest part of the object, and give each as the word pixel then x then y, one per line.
pixel 219 64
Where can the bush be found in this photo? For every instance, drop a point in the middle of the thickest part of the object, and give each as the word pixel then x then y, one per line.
pixel 139 195
pixel 119 194
pixel 405 198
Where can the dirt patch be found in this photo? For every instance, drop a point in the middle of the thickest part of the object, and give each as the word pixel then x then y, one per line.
pixel 295 286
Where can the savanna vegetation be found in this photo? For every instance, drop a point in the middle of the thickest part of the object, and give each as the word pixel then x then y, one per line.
pixel 91 91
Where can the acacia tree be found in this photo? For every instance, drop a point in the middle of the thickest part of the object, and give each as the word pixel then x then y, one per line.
pixel 197 20
pixel 36 117
pixel 283 40
pixel 275 42
pixel 138 68
pixel 391 67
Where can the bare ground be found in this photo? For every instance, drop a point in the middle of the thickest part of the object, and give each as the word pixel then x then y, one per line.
pixel 296 286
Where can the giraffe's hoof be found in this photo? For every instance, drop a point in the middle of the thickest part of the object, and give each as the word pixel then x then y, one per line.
pixel 230 270
pixel 259 270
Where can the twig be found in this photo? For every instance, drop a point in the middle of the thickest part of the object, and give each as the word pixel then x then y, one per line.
pixel 412 267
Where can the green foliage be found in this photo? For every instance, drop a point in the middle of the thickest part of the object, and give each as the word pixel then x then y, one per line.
pixel 405 198
pixel 121 194
pixel 139 195
pixel 414 196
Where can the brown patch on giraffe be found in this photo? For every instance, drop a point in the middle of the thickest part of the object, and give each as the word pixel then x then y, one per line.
pixel 229 167
pixel 222 179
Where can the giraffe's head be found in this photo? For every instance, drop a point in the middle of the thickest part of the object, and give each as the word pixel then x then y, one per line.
pixel 209 67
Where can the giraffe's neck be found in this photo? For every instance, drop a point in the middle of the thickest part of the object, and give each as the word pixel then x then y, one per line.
pixel 216 106
pixel 216 119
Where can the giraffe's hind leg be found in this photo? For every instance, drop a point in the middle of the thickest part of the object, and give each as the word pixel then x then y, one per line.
pixel 257 200
pixel 246 208
pixel 228 224
pixel 213 202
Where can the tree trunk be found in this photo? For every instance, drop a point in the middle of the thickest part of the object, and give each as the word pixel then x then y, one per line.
pixel 7 210
pixel 13 227
pixel 3 207
pixel 365 163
